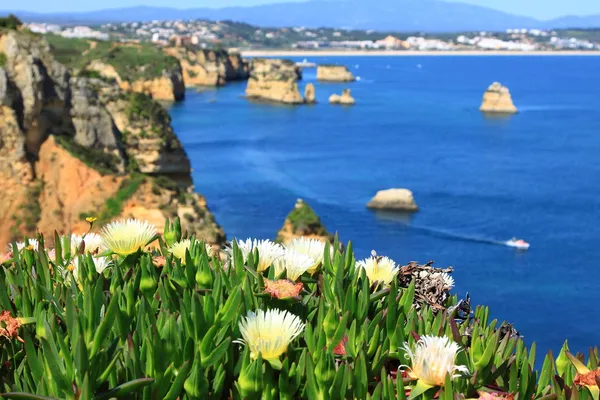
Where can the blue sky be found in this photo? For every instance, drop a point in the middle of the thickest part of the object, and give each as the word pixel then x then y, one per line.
pixel 536 8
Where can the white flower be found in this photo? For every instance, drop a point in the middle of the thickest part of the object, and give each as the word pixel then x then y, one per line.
pixel 313 248
pixel 178 249
pixel 268 252
pixel 127 236
pixel 269 333
pixel 432 359
pixel 100 264
pixel 381 270
pixel 93 243
pixel 293 263
pixel 21 245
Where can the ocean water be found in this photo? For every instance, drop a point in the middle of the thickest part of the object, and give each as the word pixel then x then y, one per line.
pixel 478 180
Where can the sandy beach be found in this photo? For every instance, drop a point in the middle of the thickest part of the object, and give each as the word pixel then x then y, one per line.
pixel 403 53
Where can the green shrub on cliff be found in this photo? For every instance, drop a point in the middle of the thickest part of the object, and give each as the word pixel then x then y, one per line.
pixel 141 106
pixel 10 22
pixel 304 220
pixel 103 317
pixel 3 59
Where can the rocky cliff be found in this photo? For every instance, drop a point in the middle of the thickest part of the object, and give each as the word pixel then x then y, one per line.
pixel 497 99
pixel 209 67
pixel 72 146
pixel 139 68
pixel 167 86
pixel 274 80
pixel 303 221
pixel 334 73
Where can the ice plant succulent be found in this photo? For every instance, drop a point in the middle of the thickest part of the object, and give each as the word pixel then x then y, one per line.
pixel 432 359
pixel 293 263
pixel 268 252
pixel 313 248
pixel 269 333
pixel 178 249
pixel 283 288
pixel 379 270
pixel 32 243
pixel 586 377
pixel 93 243
pixel 127 236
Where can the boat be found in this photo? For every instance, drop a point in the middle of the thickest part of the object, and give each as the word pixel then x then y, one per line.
pixel 306 64
pixel 517 243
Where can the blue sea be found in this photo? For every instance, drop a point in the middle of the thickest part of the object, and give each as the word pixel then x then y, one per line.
pixel 478 180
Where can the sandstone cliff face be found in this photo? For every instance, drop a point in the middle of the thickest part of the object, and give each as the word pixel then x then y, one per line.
pixel 37 89
pixel 497 99
pixel 302 221
pixel 169 86
pixel 274 80
pixel 334 73
pixel 71 146
pixel 209 67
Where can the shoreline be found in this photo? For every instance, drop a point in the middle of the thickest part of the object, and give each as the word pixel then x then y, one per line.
pixel 405 53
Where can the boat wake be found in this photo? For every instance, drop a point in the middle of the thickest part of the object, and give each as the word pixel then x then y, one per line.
pixel 452 235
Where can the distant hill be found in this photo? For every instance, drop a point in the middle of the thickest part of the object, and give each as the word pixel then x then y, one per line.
pixel 388 15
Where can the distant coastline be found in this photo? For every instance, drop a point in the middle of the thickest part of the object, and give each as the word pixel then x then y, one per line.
pixel 336 53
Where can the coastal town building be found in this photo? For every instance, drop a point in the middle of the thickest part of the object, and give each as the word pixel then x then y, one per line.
pixel 207 34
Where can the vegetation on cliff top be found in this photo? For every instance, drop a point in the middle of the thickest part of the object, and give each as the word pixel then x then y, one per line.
pixel 101 161
pixel 176 323
pixel 10 22
pixel 132 62
pixel 305 221
pixel 141 106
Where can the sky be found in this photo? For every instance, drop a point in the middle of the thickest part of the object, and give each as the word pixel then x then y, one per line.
pixel 542 9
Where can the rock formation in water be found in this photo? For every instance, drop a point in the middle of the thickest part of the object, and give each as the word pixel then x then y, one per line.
pixel 497 99
pixel 334 73
pixel 310 94
pixel 274 80
pixel 345 98
pixel 393 199
pixel 302 221
pixel 209 67
pixel 72 146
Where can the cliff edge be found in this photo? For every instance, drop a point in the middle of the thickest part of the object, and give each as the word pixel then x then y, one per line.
pixel 75 146
pixel 202 67
pixel 141 68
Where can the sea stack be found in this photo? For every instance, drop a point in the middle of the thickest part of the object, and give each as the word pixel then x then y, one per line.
pixel 393 199
pixel 302 221
pixel 497 100
pixel 334 73
pixel 274 80
pixel 310 94
pixel 345 98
